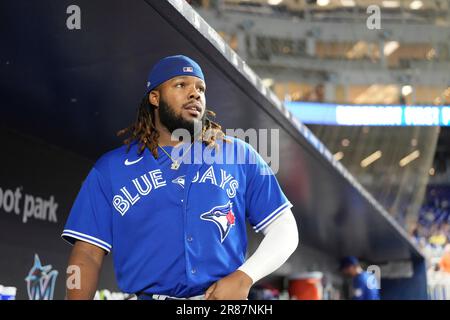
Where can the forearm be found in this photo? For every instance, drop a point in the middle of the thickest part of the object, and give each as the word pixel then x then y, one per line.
pixel 280 241
pixel 83 272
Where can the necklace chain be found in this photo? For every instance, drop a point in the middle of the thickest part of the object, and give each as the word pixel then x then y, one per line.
pixel 175 164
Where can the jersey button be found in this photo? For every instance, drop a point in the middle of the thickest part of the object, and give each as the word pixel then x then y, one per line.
pixel 193 271
pixel 190 239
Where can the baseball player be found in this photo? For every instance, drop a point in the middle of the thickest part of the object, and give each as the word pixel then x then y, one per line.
pixel 175 222
pixel 364 285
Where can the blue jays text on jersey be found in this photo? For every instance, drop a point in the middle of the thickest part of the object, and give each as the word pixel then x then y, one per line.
pixel 174 232
pixel 153 180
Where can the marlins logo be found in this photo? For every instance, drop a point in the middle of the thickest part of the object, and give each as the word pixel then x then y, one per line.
pixel 223 217
pixel 41 281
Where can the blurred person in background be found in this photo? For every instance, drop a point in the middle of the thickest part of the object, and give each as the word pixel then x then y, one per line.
pixel 438 238
pixel 364 284
pixel 444 263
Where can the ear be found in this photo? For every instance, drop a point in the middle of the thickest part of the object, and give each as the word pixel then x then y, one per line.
pixel 153 98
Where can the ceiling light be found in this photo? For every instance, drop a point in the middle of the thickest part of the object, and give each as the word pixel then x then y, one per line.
pixel 345 142
pixel 416 5
pixel 409 158
pixel 390 47
pixel 447 92
pixel 267 82
pixel 274 2
pixel 390 4
pixel 348 3
pixel 437 101
pixel 375 94
pixel 358 50
pixel 431 54
pixel 323 3
pixel 371 159
pixel 338 156
pixel 406 90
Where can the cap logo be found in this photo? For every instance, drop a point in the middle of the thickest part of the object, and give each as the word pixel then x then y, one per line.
pixel 188 69
pixel 148 84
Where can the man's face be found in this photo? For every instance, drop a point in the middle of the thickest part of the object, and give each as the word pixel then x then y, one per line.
pixel 181 103
pixel 349 271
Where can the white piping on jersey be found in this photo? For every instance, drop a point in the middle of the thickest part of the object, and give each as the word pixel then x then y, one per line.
pixel 85 240
pixel 87 236
pixel 271 216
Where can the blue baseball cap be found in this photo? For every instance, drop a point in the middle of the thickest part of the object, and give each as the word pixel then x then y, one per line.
pixel 347 262
pixel 171 67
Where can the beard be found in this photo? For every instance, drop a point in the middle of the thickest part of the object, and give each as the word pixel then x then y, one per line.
pixel 173 121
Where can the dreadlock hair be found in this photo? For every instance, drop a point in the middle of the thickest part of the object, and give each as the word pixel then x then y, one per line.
pixel 144 132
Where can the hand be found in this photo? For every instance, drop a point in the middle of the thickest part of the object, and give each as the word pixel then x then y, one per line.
pixel 235 286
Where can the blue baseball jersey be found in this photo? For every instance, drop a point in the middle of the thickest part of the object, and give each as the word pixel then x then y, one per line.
pixel 175 232
pixel 365 287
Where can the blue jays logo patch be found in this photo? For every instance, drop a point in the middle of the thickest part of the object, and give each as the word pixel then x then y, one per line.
pixel 179 181
pixel 223 217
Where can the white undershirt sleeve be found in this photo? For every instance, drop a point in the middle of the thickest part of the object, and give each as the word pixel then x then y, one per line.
pixel 280 241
